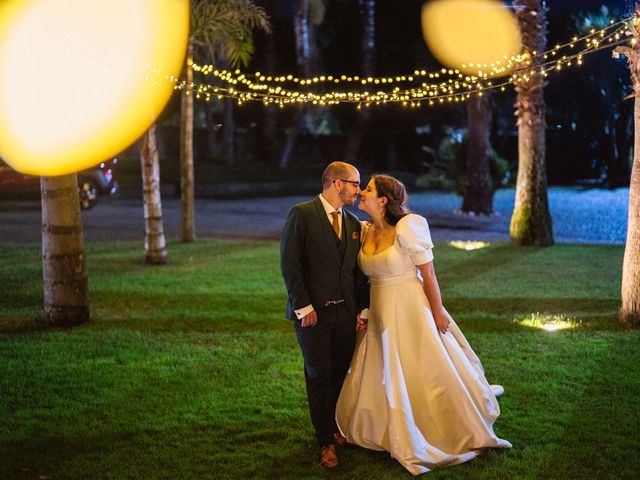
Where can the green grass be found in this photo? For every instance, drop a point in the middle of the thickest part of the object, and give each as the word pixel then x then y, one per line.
pixel 190 371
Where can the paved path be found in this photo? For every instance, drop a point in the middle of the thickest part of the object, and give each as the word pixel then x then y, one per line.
pixel 579 216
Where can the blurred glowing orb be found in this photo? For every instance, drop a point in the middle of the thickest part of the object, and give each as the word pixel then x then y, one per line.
pixel 470 35
pixel 80 80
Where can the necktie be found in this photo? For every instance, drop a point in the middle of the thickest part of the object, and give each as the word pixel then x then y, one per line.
pixel 336 222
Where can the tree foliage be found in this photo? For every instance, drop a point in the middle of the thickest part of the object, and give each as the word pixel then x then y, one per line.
pixel 224 29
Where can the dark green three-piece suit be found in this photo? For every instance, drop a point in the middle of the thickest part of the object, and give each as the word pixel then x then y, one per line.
pixel 319 268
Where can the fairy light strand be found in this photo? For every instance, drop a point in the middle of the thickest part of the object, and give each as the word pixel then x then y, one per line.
pixel 453 85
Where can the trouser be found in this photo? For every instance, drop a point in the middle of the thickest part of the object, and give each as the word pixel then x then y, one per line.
pixel 327 349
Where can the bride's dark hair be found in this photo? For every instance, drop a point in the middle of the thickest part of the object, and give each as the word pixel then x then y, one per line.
pixel 395 193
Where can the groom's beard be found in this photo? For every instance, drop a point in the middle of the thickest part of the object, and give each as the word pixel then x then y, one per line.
pixel 348 199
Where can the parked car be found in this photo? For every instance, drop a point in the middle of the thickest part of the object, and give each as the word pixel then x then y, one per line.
pixel 93 182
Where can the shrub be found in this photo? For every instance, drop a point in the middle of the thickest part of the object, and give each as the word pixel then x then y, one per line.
pixel 447 166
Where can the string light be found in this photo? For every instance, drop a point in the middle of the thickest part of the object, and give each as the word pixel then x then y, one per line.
pixel 436 87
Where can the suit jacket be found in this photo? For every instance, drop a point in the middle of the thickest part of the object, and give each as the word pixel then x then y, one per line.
pixel 312 265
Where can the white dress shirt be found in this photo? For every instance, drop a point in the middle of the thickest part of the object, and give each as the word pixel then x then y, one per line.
pixel 328 208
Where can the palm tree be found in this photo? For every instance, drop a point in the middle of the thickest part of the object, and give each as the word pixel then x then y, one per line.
pixel 308 15
pixel 267 139
pixel 229 131
pixel 186 154
pixel 531 220
pixel 630 309
pixel 478 192
pixel 155 250
pixel 367 11
pixel 221 30
pixel 64 270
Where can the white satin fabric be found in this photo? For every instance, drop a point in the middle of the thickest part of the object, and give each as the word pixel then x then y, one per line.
pixel 418 394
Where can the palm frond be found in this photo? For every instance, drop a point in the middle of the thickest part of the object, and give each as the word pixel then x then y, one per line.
pixel 224 28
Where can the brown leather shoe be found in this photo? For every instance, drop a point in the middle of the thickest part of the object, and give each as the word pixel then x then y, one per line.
pixel 328 457
pixel 339 439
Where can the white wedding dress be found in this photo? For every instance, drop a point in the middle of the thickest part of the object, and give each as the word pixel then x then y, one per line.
pixel 410 390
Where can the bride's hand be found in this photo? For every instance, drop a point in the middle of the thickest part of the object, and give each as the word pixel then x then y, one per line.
pixel 442 319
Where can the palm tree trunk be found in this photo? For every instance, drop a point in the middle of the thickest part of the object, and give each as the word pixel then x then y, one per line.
pixel 613 158
pixel 478 195
pixel 356 135
pixel 292 135
pixel 303 57
pixel 186 153
pixel 368 15
pixel 212 121
pixel 392 162
pixel 268 137
pixel 64 270
pixel 630 309
pixel 213 126
pixel 367 9
pixel 619 173
pixel 155 251
pixel 229 132
pixel 531 220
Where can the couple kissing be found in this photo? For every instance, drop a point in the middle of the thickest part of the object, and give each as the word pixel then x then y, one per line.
pixel 386 367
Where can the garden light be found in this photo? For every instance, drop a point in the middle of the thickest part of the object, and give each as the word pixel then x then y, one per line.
pixel 549 323
pixel 468 245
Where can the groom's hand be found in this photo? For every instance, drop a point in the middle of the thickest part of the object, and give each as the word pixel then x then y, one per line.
pixel 361 324
pixel 309 320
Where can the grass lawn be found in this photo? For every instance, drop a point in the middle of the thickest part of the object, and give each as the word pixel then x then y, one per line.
pixel 190 371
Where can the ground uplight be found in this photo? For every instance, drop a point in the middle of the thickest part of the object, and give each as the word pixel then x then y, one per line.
pixel 548 323
pixel 468 245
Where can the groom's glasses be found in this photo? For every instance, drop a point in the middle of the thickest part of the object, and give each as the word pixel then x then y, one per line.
pixel 352 182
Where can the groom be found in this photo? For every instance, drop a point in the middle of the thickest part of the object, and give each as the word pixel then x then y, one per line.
pixel 327 292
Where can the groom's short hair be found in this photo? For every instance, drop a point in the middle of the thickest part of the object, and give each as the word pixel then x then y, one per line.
pixel 334 171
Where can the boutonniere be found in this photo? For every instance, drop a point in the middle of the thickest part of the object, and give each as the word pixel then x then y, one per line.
pixel 355 235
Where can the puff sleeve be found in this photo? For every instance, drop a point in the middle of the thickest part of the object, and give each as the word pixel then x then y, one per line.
pixel 414 238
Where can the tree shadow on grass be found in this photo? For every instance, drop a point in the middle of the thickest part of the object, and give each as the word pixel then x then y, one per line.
pixel 245 310
pixel 162 312
pixel 484 261
pixel 509 314
pixel 260 450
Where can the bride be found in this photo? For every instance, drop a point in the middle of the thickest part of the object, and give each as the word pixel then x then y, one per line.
pixel 415 387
